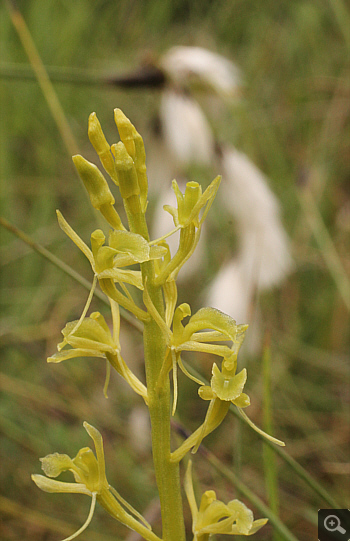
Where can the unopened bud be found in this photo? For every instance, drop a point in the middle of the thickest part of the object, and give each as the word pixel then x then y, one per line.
pixel 192 194
pixel 94 182
pixel 140 164
pixel 126 131
pixel 127 176
pixel 100 144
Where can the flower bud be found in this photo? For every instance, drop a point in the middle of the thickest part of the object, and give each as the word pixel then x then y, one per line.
pixel 140 164
pixel 100 144
pixel 126 131
pixel 94 182
pixel 192 194
pixel 127 176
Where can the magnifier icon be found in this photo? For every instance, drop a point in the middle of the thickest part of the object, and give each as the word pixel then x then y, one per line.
pixel 332 524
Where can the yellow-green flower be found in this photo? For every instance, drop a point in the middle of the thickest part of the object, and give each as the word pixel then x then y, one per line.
pixel 108 262
pixel 195 336
pixel 91 337
pixel 192 208
pixel 97 187
pixel 90 479
pixel 226 386
pixel 191 203
pixel 215 517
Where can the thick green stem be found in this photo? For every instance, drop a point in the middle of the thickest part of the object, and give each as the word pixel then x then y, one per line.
pixel 167 473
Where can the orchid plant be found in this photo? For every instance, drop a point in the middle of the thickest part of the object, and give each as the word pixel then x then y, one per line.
pixel 165 336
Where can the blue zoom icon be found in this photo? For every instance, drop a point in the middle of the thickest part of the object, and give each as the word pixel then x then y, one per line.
pixel 333 524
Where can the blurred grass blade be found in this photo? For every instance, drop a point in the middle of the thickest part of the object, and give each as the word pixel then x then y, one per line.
pixel 43 78
pixel 296 467
pixel 341 12
pixel 65 268
pixel 41 522
pixel 58 74
pixel 268 454
pixel 326 245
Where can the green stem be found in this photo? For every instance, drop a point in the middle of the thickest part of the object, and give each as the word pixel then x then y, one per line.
pixel 167 473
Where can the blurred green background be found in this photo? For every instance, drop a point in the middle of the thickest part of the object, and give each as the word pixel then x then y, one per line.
pixel 293 122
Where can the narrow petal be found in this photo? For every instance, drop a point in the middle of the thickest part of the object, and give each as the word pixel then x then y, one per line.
pixel 71 353
pixel 214 349
pixel 207 199
pixel 130 508
pixel 131 277
pixel 170 298
pixel 75 238
pixel 257 524
pixel 87 305
pixel 207 500
pixel 186 372
pixel 96 436
pixel 155 314
pixel 254 427
pixel 51 485
pixel 92 345
pixel 209 336
pixel 173 212
pixel 188 485
pixel 122 368
pixel 107 379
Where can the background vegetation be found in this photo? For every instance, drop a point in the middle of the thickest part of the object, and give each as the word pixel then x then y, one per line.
pixel 293 121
